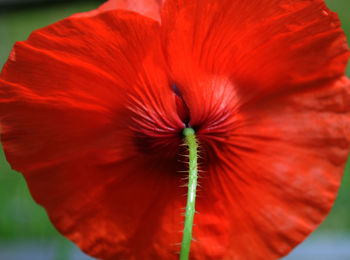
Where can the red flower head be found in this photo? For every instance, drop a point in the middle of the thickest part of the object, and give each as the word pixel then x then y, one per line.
pixel 93 107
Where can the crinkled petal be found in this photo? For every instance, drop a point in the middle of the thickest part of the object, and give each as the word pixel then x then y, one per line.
pixel 264 46
pixel 76 98
pixel 276 178
pixel 263 83
pixel 148 8
pixel 111 196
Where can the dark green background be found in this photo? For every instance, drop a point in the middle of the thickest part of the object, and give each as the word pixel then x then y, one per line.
pixel 20 217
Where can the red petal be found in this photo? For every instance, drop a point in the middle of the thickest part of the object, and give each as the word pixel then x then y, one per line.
pixel 69 96
pixel 262 83
pixel 276 178
pixel 148 8
pixel 261 46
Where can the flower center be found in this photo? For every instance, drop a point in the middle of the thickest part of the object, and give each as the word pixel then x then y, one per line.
pixel 158 120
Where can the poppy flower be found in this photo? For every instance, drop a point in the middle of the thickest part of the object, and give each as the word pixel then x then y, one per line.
pixel 93 108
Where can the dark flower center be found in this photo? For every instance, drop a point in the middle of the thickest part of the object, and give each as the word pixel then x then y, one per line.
pixel 158 133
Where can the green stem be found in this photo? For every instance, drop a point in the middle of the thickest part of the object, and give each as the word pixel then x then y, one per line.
pixel 191 194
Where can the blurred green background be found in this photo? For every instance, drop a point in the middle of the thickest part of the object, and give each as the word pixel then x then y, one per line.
pixel 23 220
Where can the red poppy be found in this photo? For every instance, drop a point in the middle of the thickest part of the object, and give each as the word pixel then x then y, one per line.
pixel 91 117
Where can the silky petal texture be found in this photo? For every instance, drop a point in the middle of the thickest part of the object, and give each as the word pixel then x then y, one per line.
pixel 94 101
pixel 148 8
pixel 278 175
pixel 71 105
pixel 262 81
pixel 260 46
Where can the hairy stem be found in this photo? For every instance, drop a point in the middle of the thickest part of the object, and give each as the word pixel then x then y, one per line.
pixel 191 194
